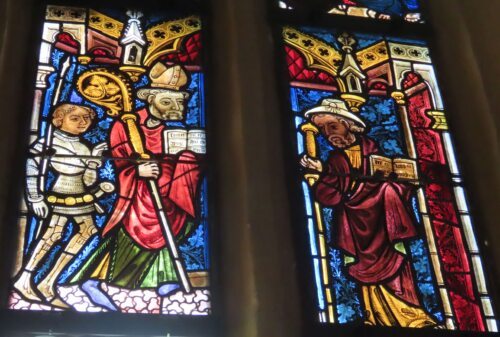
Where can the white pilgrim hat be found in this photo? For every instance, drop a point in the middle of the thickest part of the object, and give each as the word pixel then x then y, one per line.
pixel 334 107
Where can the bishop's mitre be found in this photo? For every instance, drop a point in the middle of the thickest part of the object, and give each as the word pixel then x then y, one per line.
pixel 173 78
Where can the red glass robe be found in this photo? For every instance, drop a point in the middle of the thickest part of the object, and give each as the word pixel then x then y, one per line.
pixel 178 183
pixel 370 218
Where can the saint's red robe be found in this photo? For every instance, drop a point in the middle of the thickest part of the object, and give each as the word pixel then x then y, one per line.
pixel 178 183
pixel 370 218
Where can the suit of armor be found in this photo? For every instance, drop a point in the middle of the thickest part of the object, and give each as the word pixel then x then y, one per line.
pixel 67 198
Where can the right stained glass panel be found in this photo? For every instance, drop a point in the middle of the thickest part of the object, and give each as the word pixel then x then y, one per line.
pixel 390 234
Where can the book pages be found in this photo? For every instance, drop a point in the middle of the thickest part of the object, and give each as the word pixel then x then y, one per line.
pixel 380 163
pixel 405 168
pixel 175 141
pixel 196 141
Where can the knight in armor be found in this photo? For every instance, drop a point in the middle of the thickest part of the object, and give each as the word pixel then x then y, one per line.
pixel 68 199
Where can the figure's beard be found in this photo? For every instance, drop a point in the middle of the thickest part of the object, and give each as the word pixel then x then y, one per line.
pixel 170 115
pixel 342 142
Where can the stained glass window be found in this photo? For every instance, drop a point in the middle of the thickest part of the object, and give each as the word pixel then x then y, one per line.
pixel 114 213
pixel 390 235
pixel 408 10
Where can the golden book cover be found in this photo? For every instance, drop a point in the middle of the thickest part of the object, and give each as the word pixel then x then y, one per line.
pixel 404 168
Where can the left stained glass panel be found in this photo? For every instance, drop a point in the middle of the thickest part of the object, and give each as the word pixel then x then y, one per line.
pixel 114 211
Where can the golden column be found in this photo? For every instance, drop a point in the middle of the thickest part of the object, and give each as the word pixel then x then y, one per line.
pixel 399 97
pixel 310 131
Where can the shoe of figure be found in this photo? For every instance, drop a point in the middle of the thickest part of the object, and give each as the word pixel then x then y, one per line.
pixel 166 289
pixel 93 290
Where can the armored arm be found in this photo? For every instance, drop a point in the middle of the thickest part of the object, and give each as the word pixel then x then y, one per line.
pixel 90 175
pixel 33 188
pixel 34 192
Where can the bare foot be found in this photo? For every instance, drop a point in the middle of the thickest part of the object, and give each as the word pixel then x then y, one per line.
pixel 47 290
pixel 23 286
pixel 59 303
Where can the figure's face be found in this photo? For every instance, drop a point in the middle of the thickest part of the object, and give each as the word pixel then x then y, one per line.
pixel 167 105
pixel 334 129
pixel 76 122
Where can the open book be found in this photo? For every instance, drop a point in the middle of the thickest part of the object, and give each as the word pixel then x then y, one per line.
pixel 404 168
pixel 177 140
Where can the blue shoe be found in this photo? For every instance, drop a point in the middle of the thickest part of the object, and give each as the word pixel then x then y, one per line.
pixel 97 296
pixel 166 289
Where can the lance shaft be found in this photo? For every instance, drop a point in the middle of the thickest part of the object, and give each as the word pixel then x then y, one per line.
pixel 48 134
pixel 48 137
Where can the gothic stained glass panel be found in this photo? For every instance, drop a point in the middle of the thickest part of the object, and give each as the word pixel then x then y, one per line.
pixel 114 214
pixel 408 10
pixel 389 230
